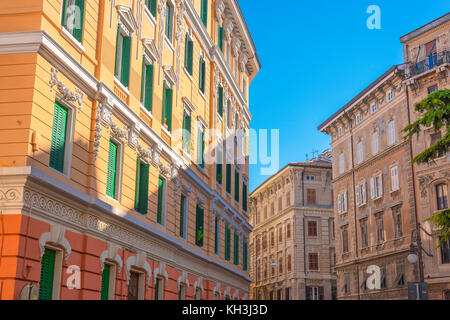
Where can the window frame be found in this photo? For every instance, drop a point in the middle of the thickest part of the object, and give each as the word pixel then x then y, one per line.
pixel 119 167
pixel 163 220
pixel 57 271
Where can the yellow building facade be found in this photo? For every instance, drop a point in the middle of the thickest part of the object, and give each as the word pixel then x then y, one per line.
pixel 113 114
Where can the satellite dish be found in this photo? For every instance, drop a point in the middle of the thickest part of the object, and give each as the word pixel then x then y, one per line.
pixel 29 291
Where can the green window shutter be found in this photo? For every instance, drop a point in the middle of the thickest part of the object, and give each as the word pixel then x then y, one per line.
pixel 143 81
pixel 227 243
pixel 186 46
pixel 182 209
pixel 202 70
pixel 216 236
pixel 126 54
pixel 236 249
pixel 199 226
pixel 169 108
pixel 236 186
pixel 245 256
pixel 112 167
pixel 148 87
pixel 163 116
pixel 228 188
pixel 220 102
pixel 64 13
pixel 58 145
pixel 143 189
pixel 78 27
pixel 200 148
pixel 219 174
pixel 244 197
pixel 151 5
pixel 204 12
pixel 168 18
pixel 186 132
pixel 138 185
pixel 47 275
pixel 105 282
pixel 116 66
pixel 221 38
pixel 160 199
pixel 190 56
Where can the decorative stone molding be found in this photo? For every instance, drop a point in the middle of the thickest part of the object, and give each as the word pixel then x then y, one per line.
pixel 10 195
pixel 183 279
pixel 126 18
pixel 133 135
pixel 139 17
pixel 156 155
pixel 150 50
pixel 65 92
pixel 243 59
pixel 55 236
pixel 170 76
pixel 220 8
pixel 162 16
pixel 143 153
pixel 227 292
pixel 236 295
pixel 119 133
pixel 139 261
pixel 228 28
pixel 424 182
pixel 217 290
pixel 161 271
pixel 111 254
pixel 199 285
pixel 236 45
pixel 179 38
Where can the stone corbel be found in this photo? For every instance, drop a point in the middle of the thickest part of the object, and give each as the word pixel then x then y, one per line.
pixel 133 135
pixel 161 271
pixel 228 28
pixel 220 8
pixel 111 254
pixel 55 236
pixel 217 290
pixel 139 261
pixel 236 44
pixel 65 92
pixel 183 279
pixel 143 153
pixel 119 133
pixel 199 285
pixel 243 61
pixel 157 149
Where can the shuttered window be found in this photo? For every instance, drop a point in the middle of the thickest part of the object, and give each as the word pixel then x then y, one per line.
pixel 182 216
pixel 236 249
pixel 220 101
pixel 392 132
pixel 160 200
pixel 142 181
pixel 47 275
pixel 394 179
pixel 220 38
pixel 236 186
pixel 245 256
pixel 244 197
pixel 187 132
pixel 169 15
pixel 123 53
pixel 199 226
pixel 202 74
pixel 167 108
pixel 189 54
pixel 151 5
pixel 73 18
pixel 200 147
pixel 147 86
pixel 59 133
pixel 219 165
pixel 112 171
pixel 105 282
pixel 228 186
pixel 204 12
pixel 216 235
pixel 227 243
pixel 375 145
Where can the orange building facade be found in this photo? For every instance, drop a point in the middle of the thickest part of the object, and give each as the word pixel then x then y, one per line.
pixel 116 123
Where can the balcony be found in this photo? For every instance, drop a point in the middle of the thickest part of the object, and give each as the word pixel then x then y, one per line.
pixel 413 69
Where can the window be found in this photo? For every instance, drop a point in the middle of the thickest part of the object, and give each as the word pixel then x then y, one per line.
pixel 258 246
pixel 169 22
pixel 395 185
pixel 445 252
pixel 228 184
pixel 220 38
pixel 364 234
pixel 147 85
pixel 48 275
pixel 199 226
pixel 391 133
pixel 376 187
pixel 202 74
pixel 313 259
pixel 182 292
pixel 312 228
pixel 264 242
pixel 201 147
pixel 432 89
pixel 311 196
pixel 236 249
pixel 340 131
pixel 236 185
pixel 142 177
pixel 108 277
pixel 204 12
pixel 161 200
pixel 289 263
pixel 188 54
pixel 272 239
pixel 228 243
pixel 167 107
pixel 187 131
pixel 123 53
pixel 280 234
pixel 341 163
pixel 398 225
pixel 280 204
pixel 434 139
pixel 220 101
pixel 442 196
pixel 73 18
pixel 244 197
pixel 280 265
pixel 360 152
pixel 59 138
pixel 389 96
pixel 342 202
pixel 288 198
pixel 151 6
pixel 183 216
pixel 345 240
pixel 219 164
pixel 358 118
pixel 375 145
pixel 361 197
pixel 198 294
pixel 245 256
pixel 400 279
pixel 314 293
pixel 113 171
pixel 288 231
pixel 216 235
pixel 380 228
pixel 229 120
pixel 134 286
pixel 346 287
pixel 373 108
pixel 265 213
pixel 287 294
pixel 159 289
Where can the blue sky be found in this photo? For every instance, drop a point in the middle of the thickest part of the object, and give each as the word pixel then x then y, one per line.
pixel 316 56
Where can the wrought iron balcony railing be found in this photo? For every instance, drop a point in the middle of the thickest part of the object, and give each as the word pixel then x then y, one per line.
pixel 415 68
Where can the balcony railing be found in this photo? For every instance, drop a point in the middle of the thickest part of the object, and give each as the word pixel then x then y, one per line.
pixel 412 69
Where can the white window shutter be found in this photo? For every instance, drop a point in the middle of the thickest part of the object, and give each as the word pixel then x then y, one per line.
pixel 345 201
pixel 364 193
pixel 358 195
pixel 380 185
pixel 372 188
pixel 394 179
